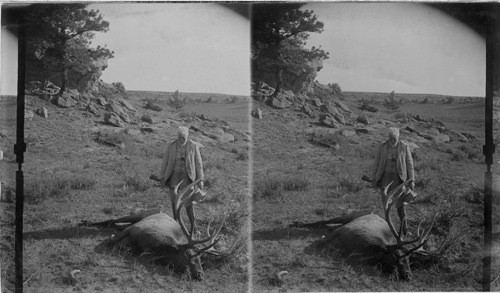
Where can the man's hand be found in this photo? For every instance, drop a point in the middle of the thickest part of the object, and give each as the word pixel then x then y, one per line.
pixel 412 186
pixel 201 185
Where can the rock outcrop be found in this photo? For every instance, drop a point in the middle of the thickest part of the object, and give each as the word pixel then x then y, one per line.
pixel 297 82
pixel 82 79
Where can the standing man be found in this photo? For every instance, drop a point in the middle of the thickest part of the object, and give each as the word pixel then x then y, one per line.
pixel 182 162
pixel 394 163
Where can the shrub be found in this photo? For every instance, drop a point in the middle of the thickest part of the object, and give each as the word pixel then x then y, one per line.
pixel 176 102
pixel 391 103
pixel 242 156
pixel 449 100
pixel 366 106
pixel 472 152
pixel 119 87
pixel 152 104
pixel 458 156
pixel 336 90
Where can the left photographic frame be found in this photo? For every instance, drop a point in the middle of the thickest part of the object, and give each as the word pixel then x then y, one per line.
pixel 114 96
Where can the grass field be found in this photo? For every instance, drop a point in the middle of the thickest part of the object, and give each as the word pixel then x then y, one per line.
pixel 295 180
pixel 71 176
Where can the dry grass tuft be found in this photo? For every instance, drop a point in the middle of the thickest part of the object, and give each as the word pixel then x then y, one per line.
pixel 273 186
pixel 42 188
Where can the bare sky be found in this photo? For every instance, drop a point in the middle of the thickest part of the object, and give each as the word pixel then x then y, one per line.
pixel 172 46
pixel 405 47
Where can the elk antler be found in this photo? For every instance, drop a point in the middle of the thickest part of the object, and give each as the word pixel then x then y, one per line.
pixel 179 203
pixel 388 203
pixel 210 237
pixel 421 238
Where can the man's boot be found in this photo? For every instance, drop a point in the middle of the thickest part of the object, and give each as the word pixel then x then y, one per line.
pixel 402 217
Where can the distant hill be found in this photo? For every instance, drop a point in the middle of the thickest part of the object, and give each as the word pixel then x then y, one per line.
pixel 376 97
pixel 199 97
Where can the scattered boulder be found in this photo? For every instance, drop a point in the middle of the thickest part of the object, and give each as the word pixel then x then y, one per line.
pixel 343 106
pixel 132 131
pixel 28 114
pixel 300 98
pixel 437 138
pixel 455 135
pixel 92 109
pixel 320 143
pixel 413 146
pixel 101 101
pixel 340 118
pixel 257 113
pixel 113 119
pixel 239 135
pixel 85 98
pixel 65 102
pixel 411 130
pixel 420 119
pixel 114 108
pixel 287 94
pixel 307 109
pixel 316 102
pixel 328 120
pixel 43 112
pixel 222 137
pixel 468 136
pixel 347 132
pixel 364 130
pixel 127 105
pixel 327 108
pixel 204 118
pixel 147 119
pixel 362 120
pixel 280 103
pixel 147 129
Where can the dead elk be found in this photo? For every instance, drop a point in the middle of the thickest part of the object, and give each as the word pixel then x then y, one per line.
pixel 168 241
pixel 373 238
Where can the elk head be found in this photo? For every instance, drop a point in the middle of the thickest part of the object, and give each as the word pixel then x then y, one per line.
pixel 189 254
pixel 399 253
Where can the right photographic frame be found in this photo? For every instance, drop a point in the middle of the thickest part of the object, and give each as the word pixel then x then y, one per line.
pixel 374 132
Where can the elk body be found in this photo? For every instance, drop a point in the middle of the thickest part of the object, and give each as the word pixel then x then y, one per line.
pixel 373 238
pixel 168 241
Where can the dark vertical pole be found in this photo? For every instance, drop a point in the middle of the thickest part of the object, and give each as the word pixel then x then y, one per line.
pixel 19 149
pixel 492 71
